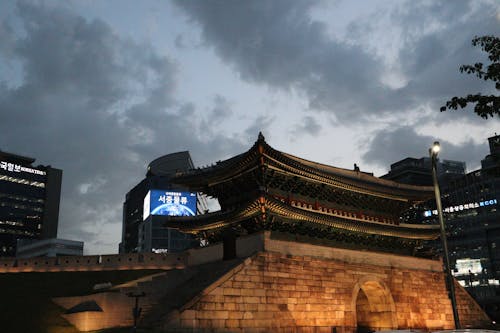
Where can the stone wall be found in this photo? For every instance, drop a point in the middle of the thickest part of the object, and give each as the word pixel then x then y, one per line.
pixel 129 261
pixel 276 291
pixel 284 286
pixel 246 246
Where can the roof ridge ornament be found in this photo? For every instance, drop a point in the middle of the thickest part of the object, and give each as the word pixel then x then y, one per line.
pixel 261 143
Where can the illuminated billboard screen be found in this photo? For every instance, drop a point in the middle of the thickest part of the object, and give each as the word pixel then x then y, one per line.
pixel 169 203
pixel 468 266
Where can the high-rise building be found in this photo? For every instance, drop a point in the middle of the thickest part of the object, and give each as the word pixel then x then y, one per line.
pixel 53 247
pixel 415 171
pixel 29 201
pixel 141 230
pixel 472 217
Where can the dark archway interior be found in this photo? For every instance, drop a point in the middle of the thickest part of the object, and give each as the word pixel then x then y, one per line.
pixel 373 308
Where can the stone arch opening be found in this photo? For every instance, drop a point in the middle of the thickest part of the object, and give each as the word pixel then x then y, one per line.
pixel 373 306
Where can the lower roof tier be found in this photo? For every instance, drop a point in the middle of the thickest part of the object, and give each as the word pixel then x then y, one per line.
pixel 264 211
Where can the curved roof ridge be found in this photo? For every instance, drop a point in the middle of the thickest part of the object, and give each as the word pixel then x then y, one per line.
pixel 261 152
pixel 355 174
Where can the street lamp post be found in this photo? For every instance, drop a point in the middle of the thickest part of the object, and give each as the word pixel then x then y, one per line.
pixel 433 152
pixel 136 311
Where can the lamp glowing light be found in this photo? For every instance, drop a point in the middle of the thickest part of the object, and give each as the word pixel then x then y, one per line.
pixel 436 148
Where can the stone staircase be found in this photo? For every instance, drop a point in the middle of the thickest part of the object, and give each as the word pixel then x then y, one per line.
pixel 169 291
pixel 154 287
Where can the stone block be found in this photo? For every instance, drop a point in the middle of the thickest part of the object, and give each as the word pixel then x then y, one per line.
pixel 251 299
pixel 209 306
pixel 242 277
pixel 302 288
pixel 232 299
pixel 213 298
pixel 264 315
pixel 189 323
pixel 255 278
pixel 326 322
pixel 231 291
pixel 229 306
pixel 217 291
pixel 236 314
pixel 249 307
pixel 212 315
pixel 232 323
pixel 188 314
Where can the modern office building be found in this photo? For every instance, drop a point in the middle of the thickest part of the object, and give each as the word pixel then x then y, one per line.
pixel 29 201
pixel 53 247
pixel 415 171
pixel 142 231
pixel 472 216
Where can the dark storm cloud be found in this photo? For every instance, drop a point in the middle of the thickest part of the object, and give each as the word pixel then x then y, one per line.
pixel 308 125
pixel 7 44
pixel 179 42
pixel 218 112
pixel 98 106
pixel 436 41
pixel 388 147
pixel 221 110
pixel 432 61
pixel 277 43
pixel 261 124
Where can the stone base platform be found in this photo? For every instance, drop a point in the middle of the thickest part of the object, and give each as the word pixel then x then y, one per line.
pixel 298 287
pixel 281 285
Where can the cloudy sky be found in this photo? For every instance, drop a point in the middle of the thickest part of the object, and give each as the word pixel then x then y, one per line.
pixel 101 88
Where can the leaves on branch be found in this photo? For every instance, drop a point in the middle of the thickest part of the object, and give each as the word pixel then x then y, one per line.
pixel 485 106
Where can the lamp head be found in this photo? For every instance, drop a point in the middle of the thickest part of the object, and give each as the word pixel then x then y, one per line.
pixel 435 148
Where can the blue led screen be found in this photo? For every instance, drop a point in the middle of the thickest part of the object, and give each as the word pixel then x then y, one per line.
pixel 172 203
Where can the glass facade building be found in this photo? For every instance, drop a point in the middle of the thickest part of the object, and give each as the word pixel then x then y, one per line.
pixel 417 171
pixel 154 237
pixel 472 216
pixel 29 201
pixel 53 247
pixel 141 233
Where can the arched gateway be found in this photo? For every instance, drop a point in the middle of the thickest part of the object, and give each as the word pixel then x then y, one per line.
pixel 374 305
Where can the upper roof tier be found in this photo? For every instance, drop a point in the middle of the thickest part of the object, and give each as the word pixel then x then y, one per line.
pixel 261 159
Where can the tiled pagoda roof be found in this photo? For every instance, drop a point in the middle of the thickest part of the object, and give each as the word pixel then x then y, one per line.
pixel 261 157
pixel 264 188
pixel 269 207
